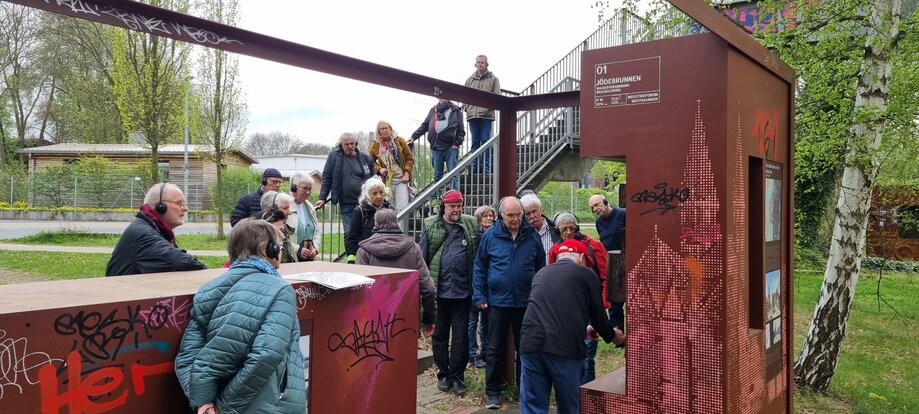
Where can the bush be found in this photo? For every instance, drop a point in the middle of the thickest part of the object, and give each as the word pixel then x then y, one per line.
pixel 879 263
pixel 53 185
pixel 237 181
pixel 100 179
pixel 13 178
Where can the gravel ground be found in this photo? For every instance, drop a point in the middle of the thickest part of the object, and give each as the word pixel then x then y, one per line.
pixel 12 277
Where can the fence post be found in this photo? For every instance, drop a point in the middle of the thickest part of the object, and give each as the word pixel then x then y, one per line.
pixel 11 189
pixel 74 195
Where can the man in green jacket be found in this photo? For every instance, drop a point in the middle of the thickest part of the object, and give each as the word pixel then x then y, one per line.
pixel 449 243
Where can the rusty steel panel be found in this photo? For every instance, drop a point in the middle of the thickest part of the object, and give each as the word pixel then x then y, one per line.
pixel 690 115
pixel 90 350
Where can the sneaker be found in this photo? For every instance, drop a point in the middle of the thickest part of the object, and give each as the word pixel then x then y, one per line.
pixel 493 402
pixel 458 389
pixel 443 384
pixel 478 363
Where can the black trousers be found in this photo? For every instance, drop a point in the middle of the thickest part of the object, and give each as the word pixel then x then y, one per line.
pixel 452 321
pixel 499 319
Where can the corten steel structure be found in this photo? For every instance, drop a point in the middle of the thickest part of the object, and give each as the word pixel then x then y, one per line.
pixel 705 123
pixel 108 345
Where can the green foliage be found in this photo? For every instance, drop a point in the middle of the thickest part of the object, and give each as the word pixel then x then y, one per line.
pixel 558 196
pixel 53 185
pixel 880 346
pixel 612 173
pixel 148 82
pixel 880 263
pixel 65 266
pixel 237 181
pixel 19 190
pixel 99 179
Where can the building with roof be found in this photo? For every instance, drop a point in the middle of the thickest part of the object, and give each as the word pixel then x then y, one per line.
pixel 202 173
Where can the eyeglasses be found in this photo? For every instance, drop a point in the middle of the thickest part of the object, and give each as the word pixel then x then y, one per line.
pixel 307 189
pixel 275 180
pixel 180 204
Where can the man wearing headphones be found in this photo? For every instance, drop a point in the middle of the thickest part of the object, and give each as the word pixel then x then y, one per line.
pixel 250 204
pixel 148 245
pixel 481 119
pixel 611 227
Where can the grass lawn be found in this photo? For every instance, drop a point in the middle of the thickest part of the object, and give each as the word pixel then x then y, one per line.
pixel 66 238
pixel 60 265
pixel 878 368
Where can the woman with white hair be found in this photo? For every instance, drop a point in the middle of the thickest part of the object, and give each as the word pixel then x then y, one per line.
pixel 373 198
pixel 277 209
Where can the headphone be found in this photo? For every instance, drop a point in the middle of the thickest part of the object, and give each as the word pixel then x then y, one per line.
pixel 264 180
pixel 274 204
pixel 605 201
pixel 272 250
pixel 160 207
pixel 577 226
pixel 293 187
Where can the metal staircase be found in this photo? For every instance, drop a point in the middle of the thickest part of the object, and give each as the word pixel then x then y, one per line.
pixel 548 140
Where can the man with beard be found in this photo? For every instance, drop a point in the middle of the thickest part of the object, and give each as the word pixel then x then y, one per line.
pixel 449 243
pixel 345 171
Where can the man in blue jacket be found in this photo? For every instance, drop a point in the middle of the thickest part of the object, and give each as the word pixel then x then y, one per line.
pixel 510 253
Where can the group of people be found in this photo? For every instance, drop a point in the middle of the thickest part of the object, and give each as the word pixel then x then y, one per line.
pixel 480 275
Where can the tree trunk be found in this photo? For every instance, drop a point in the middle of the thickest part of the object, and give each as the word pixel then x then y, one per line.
pixel 816 364
pixel 219 201
pixel 155 160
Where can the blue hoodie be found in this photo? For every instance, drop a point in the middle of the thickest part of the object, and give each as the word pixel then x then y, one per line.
pixel 504 268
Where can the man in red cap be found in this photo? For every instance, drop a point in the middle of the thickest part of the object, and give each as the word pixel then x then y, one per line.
pixel 449 243
pixel 564 296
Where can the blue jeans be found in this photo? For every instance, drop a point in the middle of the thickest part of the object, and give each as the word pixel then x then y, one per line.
pixel 540 371
pixel 479 132
pixel 483 332
pixel 441 156
pixel 346 209
pixel 590 363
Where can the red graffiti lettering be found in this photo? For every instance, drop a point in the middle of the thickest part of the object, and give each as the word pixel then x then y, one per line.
pixel 83 394
pixel 765 130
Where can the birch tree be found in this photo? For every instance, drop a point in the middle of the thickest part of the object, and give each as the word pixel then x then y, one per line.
pixel 223 114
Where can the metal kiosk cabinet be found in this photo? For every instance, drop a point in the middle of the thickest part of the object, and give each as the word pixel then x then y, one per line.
pixel 706 132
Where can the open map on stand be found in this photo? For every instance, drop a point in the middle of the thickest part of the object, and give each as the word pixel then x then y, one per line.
pixel 332 280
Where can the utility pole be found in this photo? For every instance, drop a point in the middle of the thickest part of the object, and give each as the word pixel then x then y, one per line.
pixel 185 165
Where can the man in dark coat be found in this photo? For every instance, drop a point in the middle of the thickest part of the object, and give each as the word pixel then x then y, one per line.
pixel 564 298
pixel 345 171
pixel 446 130
pixel 250 204
pixel 148 245
pixel 611 228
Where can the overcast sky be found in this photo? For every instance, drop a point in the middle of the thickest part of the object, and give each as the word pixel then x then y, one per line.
pixel 522 39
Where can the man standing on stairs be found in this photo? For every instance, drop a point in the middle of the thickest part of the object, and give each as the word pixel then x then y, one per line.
pixel 446 130
pixel 481 119
pixel 449 243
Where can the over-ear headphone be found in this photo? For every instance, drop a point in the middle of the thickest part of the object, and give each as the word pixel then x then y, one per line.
pixel 274 204
pixel 293 187
pixel 577 225
pixel 160 207
pixel 605 201
pixel 272 250
pixel 264 180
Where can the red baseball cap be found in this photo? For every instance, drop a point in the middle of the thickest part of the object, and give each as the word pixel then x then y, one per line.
pixel 573 246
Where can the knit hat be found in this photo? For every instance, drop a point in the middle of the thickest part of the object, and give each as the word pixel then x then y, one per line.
pixel 453 196
pixel 271 173
pixel 573 246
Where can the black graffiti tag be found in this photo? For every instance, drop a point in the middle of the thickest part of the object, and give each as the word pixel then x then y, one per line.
pixel 370 340
pixel 665 197
pixel 100 337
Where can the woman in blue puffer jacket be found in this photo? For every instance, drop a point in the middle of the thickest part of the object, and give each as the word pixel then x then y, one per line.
pixel 240 352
